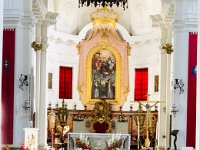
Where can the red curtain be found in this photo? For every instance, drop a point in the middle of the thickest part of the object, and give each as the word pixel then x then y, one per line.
pixel 65 83
pixel 191 107
pixel 141 84
pixel 8 67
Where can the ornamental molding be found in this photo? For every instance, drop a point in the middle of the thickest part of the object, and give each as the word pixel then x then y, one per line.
pixel 39 9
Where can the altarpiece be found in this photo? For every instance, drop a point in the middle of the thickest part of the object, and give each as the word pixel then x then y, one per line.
pixel 103 66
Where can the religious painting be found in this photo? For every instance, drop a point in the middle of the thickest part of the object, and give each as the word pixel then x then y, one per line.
pixel 156 83
pixel 103 75
pixel 50 76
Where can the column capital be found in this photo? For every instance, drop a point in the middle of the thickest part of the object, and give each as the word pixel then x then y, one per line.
pixel 36 46
pixel 168 48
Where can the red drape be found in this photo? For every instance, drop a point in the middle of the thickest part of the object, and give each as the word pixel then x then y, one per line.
pixel 101 127
pixel 8 67
pixel 141 84
pixel 65 83
pixel 191 107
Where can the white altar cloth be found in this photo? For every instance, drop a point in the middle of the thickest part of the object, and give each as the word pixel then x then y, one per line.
pixel 98 140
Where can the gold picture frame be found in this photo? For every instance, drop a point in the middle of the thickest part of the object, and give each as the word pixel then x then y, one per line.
pixel 109 53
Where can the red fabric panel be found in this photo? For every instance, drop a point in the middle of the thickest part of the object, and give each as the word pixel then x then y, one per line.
pixel 141 84
pixel 191 107
pixel 65 83
pixel 8 85
pixel 101 127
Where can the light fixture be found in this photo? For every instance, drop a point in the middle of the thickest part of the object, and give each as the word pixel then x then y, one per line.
pixel 95 3
pixel 25 81
pixel 178 84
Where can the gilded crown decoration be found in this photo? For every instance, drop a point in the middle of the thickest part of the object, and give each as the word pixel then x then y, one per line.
pixel 104 16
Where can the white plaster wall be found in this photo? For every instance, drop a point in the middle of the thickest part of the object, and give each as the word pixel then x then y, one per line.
pixel 67 20
pixel 63 52
pixel 146 55
pixel 140 19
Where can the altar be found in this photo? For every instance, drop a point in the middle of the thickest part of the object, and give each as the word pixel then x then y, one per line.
pixel 98 141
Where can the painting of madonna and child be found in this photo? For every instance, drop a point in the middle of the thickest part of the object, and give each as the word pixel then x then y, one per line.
pixel 103 75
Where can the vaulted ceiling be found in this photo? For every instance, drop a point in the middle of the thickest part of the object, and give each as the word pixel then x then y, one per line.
pixel 136 19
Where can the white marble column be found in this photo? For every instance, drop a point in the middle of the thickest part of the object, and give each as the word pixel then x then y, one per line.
pixel 43 90
pixel 162 108
pixel 50 19
pixel 198 86
pixel 37 86
pixel 168 101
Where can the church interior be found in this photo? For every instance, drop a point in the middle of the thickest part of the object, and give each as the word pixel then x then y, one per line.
pixel 99 74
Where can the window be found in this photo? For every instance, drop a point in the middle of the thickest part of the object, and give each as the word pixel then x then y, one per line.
pixel 65 83
pixel 141 84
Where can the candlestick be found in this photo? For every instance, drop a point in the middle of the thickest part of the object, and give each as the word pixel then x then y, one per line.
pixel 138 129
pixel 157 131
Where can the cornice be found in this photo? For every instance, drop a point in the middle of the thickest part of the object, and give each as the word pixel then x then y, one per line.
pixel 39 8
pixel 186 22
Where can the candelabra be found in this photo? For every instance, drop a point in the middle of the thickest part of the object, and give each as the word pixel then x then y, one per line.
pixel 139 118
pixel 95 3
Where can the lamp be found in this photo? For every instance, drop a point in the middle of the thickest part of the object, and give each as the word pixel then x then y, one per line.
pixel 178 84
pixel 95 3
pixel 25 81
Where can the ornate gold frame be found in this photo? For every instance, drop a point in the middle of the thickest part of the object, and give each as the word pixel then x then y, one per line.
pixel 104 44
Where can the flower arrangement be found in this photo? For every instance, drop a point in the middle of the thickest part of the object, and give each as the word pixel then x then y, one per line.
pixel 114 143
pixel 23 147
pixel 82 143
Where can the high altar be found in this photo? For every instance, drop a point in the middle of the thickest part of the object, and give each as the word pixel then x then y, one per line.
pixel 99 141
pixel 103 86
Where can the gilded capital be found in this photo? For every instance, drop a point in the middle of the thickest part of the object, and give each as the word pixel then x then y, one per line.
pixel 168 48
pixel 36 46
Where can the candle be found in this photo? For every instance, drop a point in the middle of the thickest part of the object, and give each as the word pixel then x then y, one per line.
pixel 156 131
pixel 138 129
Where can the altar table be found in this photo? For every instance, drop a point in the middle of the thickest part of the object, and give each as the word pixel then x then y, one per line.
pixel 98 141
